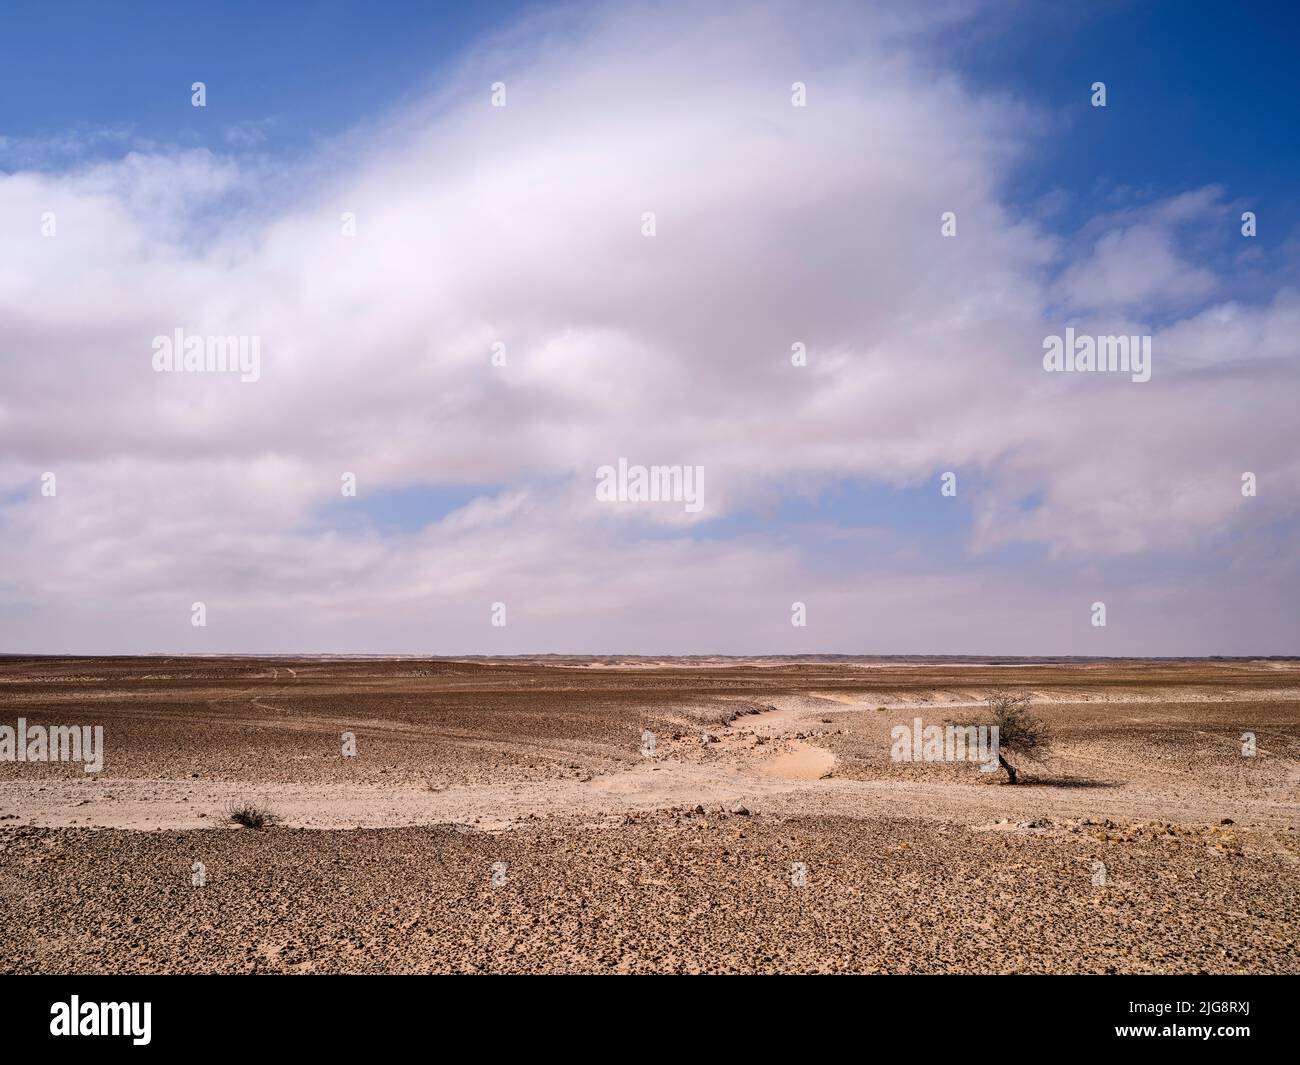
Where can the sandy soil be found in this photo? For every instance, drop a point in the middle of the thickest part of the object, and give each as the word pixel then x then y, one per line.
pixel 503 816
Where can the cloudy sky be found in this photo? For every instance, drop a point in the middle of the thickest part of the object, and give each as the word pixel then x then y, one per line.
pixel 128 213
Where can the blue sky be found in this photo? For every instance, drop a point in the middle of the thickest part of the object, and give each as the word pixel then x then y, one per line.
pixel 309 69
pixel 1126 217
pixel 1199 93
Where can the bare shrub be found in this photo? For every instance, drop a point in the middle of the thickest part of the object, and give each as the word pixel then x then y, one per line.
pixel 1020 732
pixel 250 814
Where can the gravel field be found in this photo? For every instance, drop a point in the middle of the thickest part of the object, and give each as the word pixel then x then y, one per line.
pixel 502 816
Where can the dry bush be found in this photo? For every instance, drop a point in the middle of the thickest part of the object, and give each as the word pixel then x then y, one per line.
pixel 250 814
pixel 1019 732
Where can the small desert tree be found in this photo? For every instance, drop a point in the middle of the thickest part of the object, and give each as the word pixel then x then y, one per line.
pixel 1019 731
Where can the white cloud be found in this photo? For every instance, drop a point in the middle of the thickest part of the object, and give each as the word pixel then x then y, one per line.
pixel 1135 263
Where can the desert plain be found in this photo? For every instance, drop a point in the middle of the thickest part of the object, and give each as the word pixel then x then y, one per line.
pixel 609 815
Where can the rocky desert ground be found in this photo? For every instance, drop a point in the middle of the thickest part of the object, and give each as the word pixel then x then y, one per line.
pixel 641 815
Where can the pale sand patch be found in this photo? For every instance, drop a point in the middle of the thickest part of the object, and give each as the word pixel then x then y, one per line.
pixel 802 762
